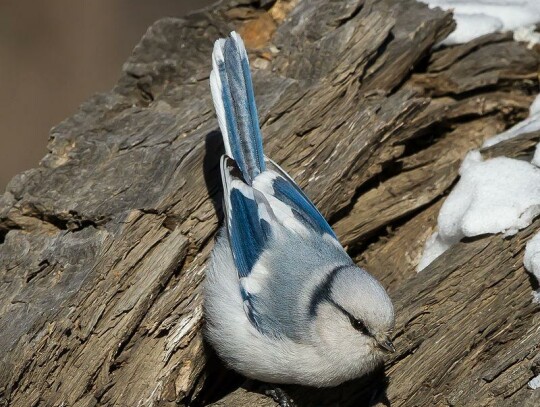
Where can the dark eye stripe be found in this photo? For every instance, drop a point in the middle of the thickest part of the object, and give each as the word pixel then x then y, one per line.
pixel 357 324
pixel 322 292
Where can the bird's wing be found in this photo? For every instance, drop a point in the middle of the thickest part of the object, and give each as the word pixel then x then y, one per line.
pixel 290 205
pixel 249 220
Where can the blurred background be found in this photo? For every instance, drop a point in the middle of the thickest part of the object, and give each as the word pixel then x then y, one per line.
pixel 54 54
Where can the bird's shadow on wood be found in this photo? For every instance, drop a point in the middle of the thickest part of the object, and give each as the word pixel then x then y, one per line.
pixel 218 380
pixel 214 149
pixel 366 391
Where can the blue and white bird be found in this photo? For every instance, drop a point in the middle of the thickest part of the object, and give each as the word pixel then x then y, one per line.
pixel 284 303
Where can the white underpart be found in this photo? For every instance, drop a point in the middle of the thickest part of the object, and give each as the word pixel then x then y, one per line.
pixel 500 195
pixel 475 18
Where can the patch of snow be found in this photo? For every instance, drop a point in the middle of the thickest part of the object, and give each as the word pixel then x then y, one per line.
pixel 499 195
pixel 471 26
pixel 531 123
pixel 433 248
pixel 536 157
pixel 531 260
pixel 527 34
pixel 475 18
pixel 534 109
pixel 534 383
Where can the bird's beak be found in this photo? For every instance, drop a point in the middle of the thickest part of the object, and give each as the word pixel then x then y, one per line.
pixel 386 344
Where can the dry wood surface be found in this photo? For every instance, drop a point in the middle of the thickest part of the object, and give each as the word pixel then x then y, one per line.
pixel 103 246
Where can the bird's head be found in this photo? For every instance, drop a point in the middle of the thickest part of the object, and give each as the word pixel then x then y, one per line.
pixel 354 316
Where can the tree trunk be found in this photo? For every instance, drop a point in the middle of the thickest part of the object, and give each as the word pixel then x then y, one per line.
pixel 103 246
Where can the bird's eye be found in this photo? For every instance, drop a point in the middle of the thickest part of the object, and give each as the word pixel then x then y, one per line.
pixel 359 325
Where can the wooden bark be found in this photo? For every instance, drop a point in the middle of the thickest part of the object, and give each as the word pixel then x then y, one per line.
pixel 103 246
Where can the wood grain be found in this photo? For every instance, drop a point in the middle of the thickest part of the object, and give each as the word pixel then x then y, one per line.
pixel 103 246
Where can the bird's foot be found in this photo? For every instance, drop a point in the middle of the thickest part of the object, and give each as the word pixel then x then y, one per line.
pixel 280 396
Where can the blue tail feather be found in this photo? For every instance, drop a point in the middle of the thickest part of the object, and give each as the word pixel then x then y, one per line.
pixel 232 91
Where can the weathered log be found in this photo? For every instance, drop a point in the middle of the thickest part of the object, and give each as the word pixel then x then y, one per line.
pixel 103 246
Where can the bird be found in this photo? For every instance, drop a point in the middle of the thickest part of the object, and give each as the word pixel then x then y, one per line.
pixel 283 301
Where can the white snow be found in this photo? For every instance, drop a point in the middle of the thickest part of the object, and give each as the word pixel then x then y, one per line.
pixel 534 383
pixel 433 248
pixel 531 260
pixel 475 18
pixel 527 34
pixel 469 27
pixel 531 123
pixel 534 109
pixel 499 195
pixel 536 158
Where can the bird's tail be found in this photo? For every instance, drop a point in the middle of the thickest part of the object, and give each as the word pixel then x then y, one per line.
pixel 232 92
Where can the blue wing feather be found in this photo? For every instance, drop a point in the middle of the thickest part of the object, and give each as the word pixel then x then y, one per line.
pixel 247 228
pixel 303 208
pixel 247 233
pixel 287 191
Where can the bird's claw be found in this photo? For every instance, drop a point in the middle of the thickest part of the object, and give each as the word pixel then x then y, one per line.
pixel 279 396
